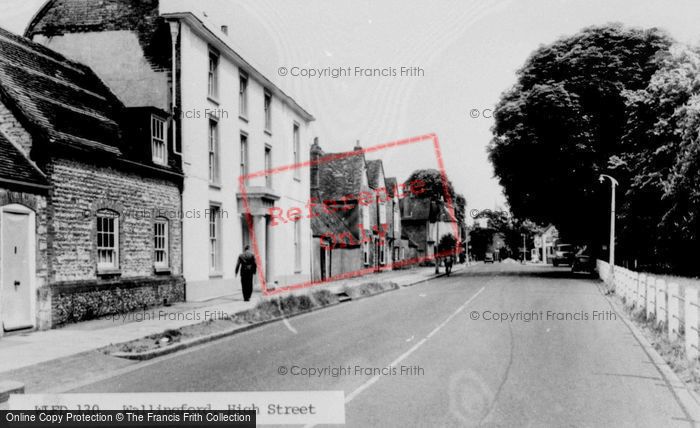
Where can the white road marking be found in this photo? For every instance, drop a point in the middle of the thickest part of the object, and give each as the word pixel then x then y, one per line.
pixel 405 355
pixel 289 326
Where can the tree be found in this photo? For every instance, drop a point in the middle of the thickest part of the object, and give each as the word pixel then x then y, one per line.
pixel 447 242
pixel 559 126
pixel 660 228
pixel 510 229
pixel 436 186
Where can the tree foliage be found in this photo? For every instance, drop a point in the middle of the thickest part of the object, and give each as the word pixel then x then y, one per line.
pixel 447 242
pixel 509 229
pixel 436 186
pixel 558 127
pixel 660 212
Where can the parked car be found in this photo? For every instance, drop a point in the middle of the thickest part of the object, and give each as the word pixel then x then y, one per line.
pixel 583 262
pixel 563 255
pixel 488 258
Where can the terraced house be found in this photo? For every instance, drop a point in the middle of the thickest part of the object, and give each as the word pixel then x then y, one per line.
pixel 354 233
pixel 89 190
pixel 226 118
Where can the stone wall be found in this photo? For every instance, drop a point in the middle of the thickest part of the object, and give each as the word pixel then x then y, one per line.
pixel 80 190
pixel 76 291
pixel 83 300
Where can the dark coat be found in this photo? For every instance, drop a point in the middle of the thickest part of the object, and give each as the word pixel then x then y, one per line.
pixel 246 264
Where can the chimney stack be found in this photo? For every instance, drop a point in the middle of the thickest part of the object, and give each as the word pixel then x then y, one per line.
pixel 224 29
pixel 316 153
pixel 357 145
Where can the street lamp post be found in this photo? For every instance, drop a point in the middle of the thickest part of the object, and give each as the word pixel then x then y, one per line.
pixel 611 248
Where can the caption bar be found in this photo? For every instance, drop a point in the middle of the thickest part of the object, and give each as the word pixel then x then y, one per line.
pixel 134 418
pixel 269 407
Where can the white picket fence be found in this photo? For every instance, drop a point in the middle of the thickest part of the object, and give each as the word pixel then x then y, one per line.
pixel 670 306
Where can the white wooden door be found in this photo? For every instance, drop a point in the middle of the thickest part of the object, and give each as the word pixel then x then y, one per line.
pixel 16 296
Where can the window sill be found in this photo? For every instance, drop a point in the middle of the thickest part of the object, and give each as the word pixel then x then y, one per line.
pixel 297 179
pixel 213 100
pixel 216 274
pixel 108 272
pixel 243 118
pixel 215 186
pixel 163 270
pixel 268 132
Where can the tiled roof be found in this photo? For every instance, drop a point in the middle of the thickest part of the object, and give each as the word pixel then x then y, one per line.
pixel 340 176
pixel 63 100
pixel 15 166
pixel 328 223
pixel 374 168
pixel 58 17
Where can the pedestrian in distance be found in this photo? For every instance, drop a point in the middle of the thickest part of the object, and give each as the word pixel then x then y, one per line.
pixel 449 261
pixel 246 264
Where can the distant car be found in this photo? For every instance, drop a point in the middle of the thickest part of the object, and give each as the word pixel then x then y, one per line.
pixel 563 255
pixel 583 263
pixel 488 258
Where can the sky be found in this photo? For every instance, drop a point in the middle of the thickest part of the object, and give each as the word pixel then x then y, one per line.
pixel 468 51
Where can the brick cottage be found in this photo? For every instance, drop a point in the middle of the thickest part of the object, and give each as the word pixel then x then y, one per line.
pixel 89 195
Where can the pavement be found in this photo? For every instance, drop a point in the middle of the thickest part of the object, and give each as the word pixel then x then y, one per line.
pixel 47 360
pixel 583 366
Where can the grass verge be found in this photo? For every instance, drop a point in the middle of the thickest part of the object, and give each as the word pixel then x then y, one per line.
pixel 369 289
pixel 264 311
pixel 672 351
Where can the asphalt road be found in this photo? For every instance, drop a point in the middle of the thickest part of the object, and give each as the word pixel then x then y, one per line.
pixel 468 369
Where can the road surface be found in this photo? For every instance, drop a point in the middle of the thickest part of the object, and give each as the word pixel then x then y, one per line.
pixel 574 363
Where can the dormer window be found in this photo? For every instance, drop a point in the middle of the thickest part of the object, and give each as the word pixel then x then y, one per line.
pixel 159 149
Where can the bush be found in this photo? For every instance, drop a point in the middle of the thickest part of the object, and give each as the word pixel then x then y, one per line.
pixel 369 289
pixel 295 303
pixel 324 297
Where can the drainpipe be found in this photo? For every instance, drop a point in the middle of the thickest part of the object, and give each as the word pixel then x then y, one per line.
pixel 174 32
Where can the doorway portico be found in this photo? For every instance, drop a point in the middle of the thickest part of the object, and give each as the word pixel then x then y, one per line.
pixel 259 200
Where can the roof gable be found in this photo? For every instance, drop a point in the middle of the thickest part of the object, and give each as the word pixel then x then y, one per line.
pixel 59 17
pixel 341 176
pixel 64 101
pixel 15 167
